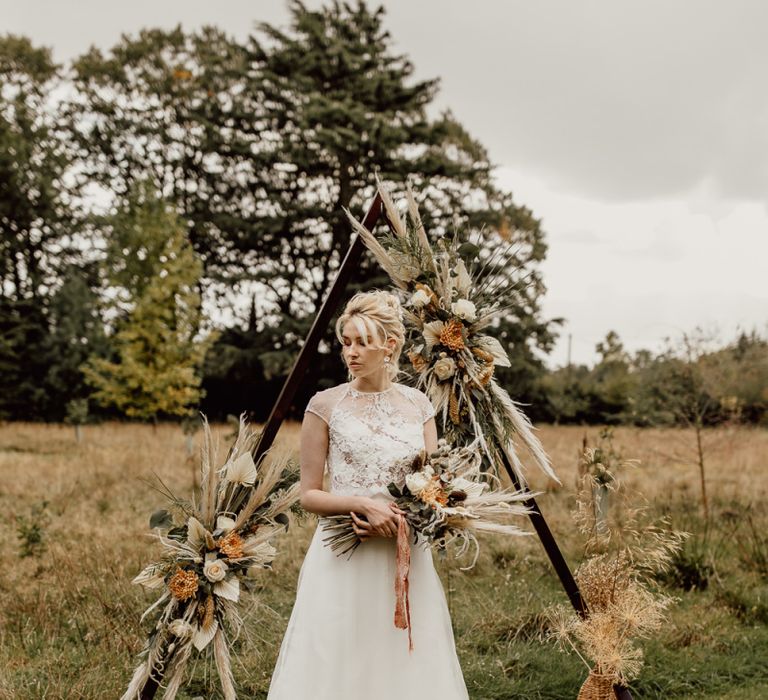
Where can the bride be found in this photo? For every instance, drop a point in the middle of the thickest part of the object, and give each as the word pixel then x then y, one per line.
pixel 341 642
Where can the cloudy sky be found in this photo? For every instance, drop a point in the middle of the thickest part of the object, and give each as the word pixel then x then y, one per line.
pixel 637 132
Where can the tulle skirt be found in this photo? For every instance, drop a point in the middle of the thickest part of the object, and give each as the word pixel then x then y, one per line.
pixel 341 642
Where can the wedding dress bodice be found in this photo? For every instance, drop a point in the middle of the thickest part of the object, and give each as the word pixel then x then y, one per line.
pixel 371 435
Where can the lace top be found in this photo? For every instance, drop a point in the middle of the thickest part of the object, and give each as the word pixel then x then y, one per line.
pixel 370 434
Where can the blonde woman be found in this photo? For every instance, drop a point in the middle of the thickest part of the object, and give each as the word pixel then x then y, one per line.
pixel 341 642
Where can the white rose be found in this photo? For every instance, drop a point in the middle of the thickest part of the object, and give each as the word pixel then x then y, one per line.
pixel 180 628
pixel 464 308
pixel 419 298
pixel 215 570
pixel 444 368
pixel 416 482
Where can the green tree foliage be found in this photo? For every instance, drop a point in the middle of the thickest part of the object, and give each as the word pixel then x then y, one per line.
pixel 693 381
pixel 340 105
pixel 24 358
pixel 34 213
pixel 75 333
pixel 152 271
pixel 614 380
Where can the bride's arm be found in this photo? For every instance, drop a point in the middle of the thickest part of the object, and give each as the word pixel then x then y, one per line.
pixel 314 449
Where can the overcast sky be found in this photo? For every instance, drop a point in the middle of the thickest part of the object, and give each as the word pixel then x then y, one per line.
pixel 637 132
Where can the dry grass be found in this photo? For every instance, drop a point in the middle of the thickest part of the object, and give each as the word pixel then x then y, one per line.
pixel 69 616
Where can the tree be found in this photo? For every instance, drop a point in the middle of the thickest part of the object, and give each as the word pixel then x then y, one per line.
pixel 34 214
pixel 75 333
pixel 684 388
pixel 35 224
pixel 261 146
pixel 568 394
pixel 153 272
pixel 613 381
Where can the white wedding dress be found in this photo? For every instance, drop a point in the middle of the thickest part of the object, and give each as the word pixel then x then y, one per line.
pixel 341 642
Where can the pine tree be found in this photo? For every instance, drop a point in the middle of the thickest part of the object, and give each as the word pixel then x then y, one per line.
pixel 154 273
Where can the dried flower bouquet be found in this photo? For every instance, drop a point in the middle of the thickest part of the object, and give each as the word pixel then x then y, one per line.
pixel 209 549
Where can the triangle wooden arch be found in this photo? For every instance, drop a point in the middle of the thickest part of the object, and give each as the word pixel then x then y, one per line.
pixel 375 214
pixel 285 400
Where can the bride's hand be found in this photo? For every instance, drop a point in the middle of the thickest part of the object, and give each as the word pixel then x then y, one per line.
pixel 361 527
pixel 382 519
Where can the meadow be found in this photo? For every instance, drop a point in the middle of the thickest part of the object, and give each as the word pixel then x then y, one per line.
pixel 75 532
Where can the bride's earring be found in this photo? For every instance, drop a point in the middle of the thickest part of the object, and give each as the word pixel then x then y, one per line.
pixel 387 360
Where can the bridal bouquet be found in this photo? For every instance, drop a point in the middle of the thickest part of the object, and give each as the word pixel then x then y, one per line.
pixel 451 294
pixel 209 550
pixel 445 502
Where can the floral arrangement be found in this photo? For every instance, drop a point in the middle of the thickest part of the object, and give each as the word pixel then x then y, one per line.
pixel 210 549
pixel 445 501
pixel 616 581
pixel 450 297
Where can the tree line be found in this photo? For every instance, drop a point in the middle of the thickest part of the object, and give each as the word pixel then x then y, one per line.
pixel 171 218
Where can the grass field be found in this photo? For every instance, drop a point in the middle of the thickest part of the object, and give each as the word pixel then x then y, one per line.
pixel 74 518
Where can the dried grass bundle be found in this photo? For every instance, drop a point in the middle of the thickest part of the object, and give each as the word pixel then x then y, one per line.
pixel 616 582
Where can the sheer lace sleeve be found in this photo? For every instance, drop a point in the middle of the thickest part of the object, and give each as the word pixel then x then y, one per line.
pixel 423 403
pixel 320 406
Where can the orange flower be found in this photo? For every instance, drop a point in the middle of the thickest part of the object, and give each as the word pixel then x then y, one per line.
pixel 231 545
pixel 183 584
pixel 418 362
pixel 433 493
pixel 451 337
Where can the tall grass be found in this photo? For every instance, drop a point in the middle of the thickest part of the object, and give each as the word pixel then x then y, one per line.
pixel 75 520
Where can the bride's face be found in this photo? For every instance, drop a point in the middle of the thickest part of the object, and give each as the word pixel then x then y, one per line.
pixel 362 360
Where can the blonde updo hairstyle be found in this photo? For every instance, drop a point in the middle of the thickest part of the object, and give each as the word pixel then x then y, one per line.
pixel 378 314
